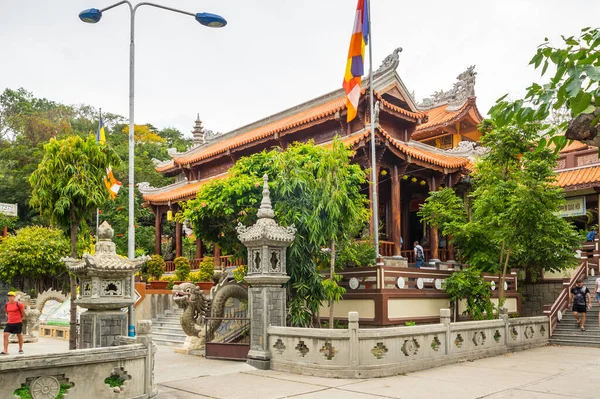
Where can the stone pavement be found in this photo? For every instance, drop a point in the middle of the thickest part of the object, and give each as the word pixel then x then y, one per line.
pixel 549 372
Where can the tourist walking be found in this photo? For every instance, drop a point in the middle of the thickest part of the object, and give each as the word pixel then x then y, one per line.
pixel 581 299
pixel 419 255
pixel 15 311
pixel 597 291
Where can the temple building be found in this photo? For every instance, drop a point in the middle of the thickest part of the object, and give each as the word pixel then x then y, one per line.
pixel 419 148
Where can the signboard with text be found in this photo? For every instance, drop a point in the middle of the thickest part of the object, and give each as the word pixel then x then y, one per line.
pixel 8 209
pixel 572 207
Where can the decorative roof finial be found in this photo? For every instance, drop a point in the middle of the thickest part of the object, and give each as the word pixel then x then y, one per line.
pixel 198 132
pixel 266 210
pixel 390 63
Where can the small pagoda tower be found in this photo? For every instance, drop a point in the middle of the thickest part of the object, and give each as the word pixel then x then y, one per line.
pixel 266 242
pixel 105 289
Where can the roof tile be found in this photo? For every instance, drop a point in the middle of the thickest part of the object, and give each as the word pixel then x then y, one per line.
pixel 576 177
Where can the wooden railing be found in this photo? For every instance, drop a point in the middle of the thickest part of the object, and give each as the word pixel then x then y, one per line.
pixel 226 261
pixel 561 303
pixel 386 248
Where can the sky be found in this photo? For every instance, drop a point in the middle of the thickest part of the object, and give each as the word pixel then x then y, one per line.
pixel 272 55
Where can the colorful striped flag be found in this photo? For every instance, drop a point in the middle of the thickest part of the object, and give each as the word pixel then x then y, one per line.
pixel 356 58
pixel 112 184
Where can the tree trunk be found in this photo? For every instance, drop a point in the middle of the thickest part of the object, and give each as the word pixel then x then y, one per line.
pixel 331 271
pixel 73 283
pixel 501 298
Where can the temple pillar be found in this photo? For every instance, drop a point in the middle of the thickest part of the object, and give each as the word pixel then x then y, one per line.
pixel 396 213
pixel 450 249
pixel 434 241
pixel 371 224
pixel 178 239
pixel 158 231
pixel 199 248
pixel 217 255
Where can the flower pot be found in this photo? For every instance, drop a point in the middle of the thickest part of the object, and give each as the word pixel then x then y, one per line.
pixel 159 285
pixel 205 285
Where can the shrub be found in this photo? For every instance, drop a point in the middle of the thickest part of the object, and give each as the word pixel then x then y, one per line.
pixel 240 272
pixel 182 268
pixel 206 269
pixel 170 279
pixel 155 267
pixel 357 254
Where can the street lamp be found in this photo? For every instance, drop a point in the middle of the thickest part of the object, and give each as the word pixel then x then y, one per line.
pixel 93 15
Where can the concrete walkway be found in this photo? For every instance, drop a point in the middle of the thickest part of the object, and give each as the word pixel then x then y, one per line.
pixel 549 372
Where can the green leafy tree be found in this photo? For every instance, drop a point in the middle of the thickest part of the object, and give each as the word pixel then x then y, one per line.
pixel 297 183
pixel 33 253
pixel 68 187
pixel 514 218
pixel 574 86
pixel 469 285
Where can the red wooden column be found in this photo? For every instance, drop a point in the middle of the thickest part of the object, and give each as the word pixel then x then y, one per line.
pixel 396 213
pixel 199 248
pixel 450 248
pixel 178 239
pixel 158 231
pixel 217 255
pixel 433 230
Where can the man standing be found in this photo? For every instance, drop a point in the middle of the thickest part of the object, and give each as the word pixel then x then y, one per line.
pixel 15 311
pixel 580 298
pixel 597 290
pixel 591 234
pixel 419 255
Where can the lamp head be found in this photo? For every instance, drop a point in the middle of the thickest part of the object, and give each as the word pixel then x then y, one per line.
pixel 211 20
pixel 90 16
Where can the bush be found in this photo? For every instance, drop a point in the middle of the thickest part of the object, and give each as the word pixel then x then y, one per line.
pixel 469 285
pixel 240 272
pixel 182 268
pixel 357 254
pixel 206 270
pixel 170 279
pixel 156 266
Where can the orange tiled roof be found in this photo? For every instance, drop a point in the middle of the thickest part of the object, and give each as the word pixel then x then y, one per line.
pixel 387 104
pixel 440 116
pixel 164 168
pixel 579 176
pixel 291 121
pixel 443 160
pixel 574 146
pixel 185 191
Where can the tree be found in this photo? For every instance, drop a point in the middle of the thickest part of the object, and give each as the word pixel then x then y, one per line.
pixel 470 286
pixel 514 219
pixel 574 85
pixel 34 253
pixel 68 186
pixel 327 209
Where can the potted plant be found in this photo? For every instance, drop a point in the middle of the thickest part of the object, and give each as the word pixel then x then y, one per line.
pixel 204 276
pixel 156 267
pixel 182 269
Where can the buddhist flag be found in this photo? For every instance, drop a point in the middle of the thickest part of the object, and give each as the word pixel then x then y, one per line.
pixel 356 58
pixel 112 184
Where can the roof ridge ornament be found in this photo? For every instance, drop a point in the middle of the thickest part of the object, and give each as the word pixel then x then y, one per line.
pixel 455 97
pixel 390 63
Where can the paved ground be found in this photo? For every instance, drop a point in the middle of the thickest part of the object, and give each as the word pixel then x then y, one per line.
pixel 549 372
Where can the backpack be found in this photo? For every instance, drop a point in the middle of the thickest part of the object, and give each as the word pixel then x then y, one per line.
pixel 420 254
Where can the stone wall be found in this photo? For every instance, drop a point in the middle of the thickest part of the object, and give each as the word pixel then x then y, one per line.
pixel 537 295
pixel 367 353
pixel 153 305
pixel 86 369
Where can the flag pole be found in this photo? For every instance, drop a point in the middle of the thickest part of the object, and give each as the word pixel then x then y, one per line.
pixel 97 210
pixel 373 160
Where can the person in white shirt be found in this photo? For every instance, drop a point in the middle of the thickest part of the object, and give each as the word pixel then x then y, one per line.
pixel 597 290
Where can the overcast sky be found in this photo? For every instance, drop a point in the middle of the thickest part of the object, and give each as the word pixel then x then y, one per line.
pixel 273 54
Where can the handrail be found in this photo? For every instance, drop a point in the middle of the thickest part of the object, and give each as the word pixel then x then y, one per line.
pixel 562 301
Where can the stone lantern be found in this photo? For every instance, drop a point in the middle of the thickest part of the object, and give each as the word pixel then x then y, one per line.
pixel 266 242
pixel 105 288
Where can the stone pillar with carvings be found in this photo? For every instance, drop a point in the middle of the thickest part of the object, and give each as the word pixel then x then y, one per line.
pixel 105 289
pixel 266 242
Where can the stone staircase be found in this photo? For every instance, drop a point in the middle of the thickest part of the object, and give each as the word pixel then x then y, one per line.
pixel 567 332
pixel 166 329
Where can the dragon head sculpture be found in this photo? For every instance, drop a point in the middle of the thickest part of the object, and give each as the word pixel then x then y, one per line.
pixel 189 297
pixel 186 294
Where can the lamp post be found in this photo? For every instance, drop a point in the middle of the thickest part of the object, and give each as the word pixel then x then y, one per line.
pixel 93 15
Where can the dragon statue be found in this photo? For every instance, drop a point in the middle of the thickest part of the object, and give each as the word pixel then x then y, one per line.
pixel 197 307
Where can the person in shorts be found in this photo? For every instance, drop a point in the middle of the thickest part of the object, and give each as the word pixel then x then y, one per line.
pixel 15 311
pixel 419 255
pixel 580 298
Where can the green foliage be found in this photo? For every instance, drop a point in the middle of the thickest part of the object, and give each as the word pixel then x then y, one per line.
pixel 24 392
pixel 33 252
pixel 574 84
pixel 68 185
pixel 410 324
pixel 114 381
pixel 469 285
pixel 239 273
pixel 314 188
pixel 182 268
pixel 514 219
pixel 7 221
pixel 206 269
pixel 156 266
pixel 356 254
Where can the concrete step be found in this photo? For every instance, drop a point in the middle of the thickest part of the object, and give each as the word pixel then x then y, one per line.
pixel 565 342
pixel 169 336
pixel 584 335
pixel 166 324
pixel 168 342
pixel 167 330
